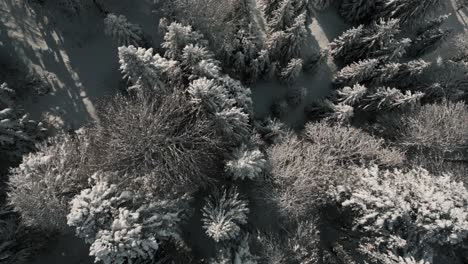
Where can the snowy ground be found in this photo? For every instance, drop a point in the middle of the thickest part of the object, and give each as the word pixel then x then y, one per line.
pixel 80 64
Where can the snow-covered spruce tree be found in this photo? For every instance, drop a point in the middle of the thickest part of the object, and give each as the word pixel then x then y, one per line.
pixel 408 11
pixel 378 40
pixel 340 113
pixel 46 181
pixel 358 72
pixel 223 215
pixel 177 37
pixel 124 224
pixel 352 95
pixel 400 75
pixel 413 212
pixel 18 133
pixel 360 11
pixel 146 71
pixel 271 130
pixel 292 71
pixel 245 163
pixel 282 17
pixel 429 37
pixel 208 93
pixel 386 98
pixel 122 31
pixel 345 44
pixel 304 167
pixel 296 95
pixel 296 38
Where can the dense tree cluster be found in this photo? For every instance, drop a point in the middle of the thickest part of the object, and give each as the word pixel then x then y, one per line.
pixel 180 169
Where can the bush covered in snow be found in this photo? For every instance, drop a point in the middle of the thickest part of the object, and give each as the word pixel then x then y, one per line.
pixel 303 167
pixel 47 180
pixel 442 127
pixel 246 163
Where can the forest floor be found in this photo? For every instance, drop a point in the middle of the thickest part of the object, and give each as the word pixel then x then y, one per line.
pixel 74 57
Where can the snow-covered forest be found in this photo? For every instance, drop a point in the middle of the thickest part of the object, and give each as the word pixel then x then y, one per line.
pixel 234 131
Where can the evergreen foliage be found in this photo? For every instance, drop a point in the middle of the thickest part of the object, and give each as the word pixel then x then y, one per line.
pixel 409 11
pixel 352 95
pixel 246 163
pixel 401 74
pixel 359 10
pixel 177 37
pixel 122 225
pixel 122 31
pixel 358 72
pixel 385 98
pixel 144 70
pixel 18 133
pixel 292 71
pixel 429 37
pixel 375 41
pixel 223 215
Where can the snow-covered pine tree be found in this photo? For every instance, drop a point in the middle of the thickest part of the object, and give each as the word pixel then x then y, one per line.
pixel 352 95
pixel 346 42
pixel 360 11
pixel 429 36
pixel 124 224
pixel 378 40
pixel 177 37
pixel 341 113
pixel 296 38
pixel 385 98
pixel 282 17
pixel 245 163
pixel 147 71
pixel 212 96
pixel 292 71
pixel 223 215
pixel 408 11
pixel 192 55
pixel 18 133
pixel 362 72
pixel 233 123
pixel 122 31
pixel 400 74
